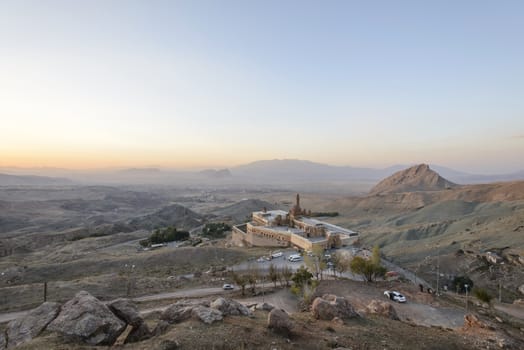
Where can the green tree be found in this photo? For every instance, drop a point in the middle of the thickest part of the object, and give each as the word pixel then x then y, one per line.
pixel 460 283
pixel 315 261
pixel 482 295
pixel 301 278
pixel 375 257
pixel 215 230
pixel 366 269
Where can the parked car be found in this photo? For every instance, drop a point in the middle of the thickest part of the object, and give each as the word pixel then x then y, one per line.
pixel 261 259
pixel 276 255
pixel 228 286
pixel 294 258
pixel 395 296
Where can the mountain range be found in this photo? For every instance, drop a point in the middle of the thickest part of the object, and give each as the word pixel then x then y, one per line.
pixel 271 172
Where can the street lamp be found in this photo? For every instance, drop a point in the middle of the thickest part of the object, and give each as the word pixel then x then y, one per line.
pixel 438 268
pixel 466 287
pixel 130 269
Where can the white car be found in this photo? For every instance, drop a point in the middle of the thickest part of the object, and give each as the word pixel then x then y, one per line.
pixel 276 255
pixel 395 296
pixel 294 258
pixel 228 286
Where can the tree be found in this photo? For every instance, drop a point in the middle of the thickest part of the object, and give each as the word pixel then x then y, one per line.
pixel 215 230
pixel 375 257
pixel 240 280
pixel 316 262
pixel 366 269
pixel 273 274
pixel 252 277
pixel 302 276
pixel 340 262
pixel 482 295
pixel 286 274
pixel 460 283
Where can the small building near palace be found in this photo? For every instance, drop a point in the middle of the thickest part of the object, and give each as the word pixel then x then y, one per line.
pixel 278 228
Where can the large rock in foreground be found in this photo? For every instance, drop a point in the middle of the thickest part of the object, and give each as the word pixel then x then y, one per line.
pixel 230 307
pixel 87 319
pixel 330 306
pixel 25 328
pixel 126 311
pixel 207 314
pixel 180 311
pixel 382 308
pixel 279 321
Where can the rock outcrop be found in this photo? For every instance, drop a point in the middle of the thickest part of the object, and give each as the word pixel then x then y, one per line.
pixel 264 307
pixel 3 341
pixel 207 314
pixel 87 319
pixel 179 311
pixel 127 311
pixel 139 333
pixel 416 178
pixel 279 321
pixel 230 307
pixel 472 321
pixel 382 308
pixel 24 329
pixel 330 306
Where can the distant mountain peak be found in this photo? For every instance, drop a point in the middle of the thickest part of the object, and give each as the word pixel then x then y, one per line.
pixel 216 174
pixel 416 178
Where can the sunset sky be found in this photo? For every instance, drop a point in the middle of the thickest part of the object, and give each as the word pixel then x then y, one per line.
pixel 185 84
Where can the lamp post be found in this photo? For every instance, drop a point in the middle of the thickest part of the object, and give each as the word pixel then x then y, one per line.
pixel 466 287
pixel 438 268
pixel 130 269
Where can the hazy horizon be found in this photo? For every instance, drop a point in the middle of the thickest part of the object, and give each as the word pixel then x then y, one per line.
pixel 208 84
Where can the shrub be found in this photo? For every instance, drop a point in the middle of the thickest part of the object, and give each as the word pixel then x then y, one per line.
pixel 215 230
pixel 482 295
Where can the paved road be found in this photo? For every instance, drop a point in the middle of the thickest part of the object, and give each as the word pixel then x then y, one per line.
pixel 187 293
pixel 510 309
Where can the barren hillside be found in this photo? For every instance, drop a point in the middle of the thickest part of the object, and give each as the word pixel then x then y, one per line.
pixel 416 178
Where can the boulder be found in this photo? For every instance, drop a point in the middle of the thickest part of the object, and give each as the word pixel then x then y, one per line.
pixel 207 314
pixel 472 321
pixel 127 311
pixel 177 313
pixel 279 321
pixel 31 325
pixel 330 306
pixel 382 308
pixel 87 319
pixel 168 345
pixel 160 328
pixel 264 307
pixel 139 333
pixel 230 307
pixel 3 342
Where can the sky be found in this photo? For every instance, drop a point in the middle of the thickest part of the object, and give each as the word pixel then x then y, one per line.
pixel 195 84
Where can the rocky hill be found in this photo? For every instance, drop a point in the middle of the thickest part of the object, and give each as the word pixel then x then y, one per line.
pixel 172 215
pixel 241 211
pixel 416 178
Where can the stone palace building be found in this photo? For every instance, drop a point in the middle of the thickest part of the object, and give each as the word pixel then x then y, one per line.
pixel 278 228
